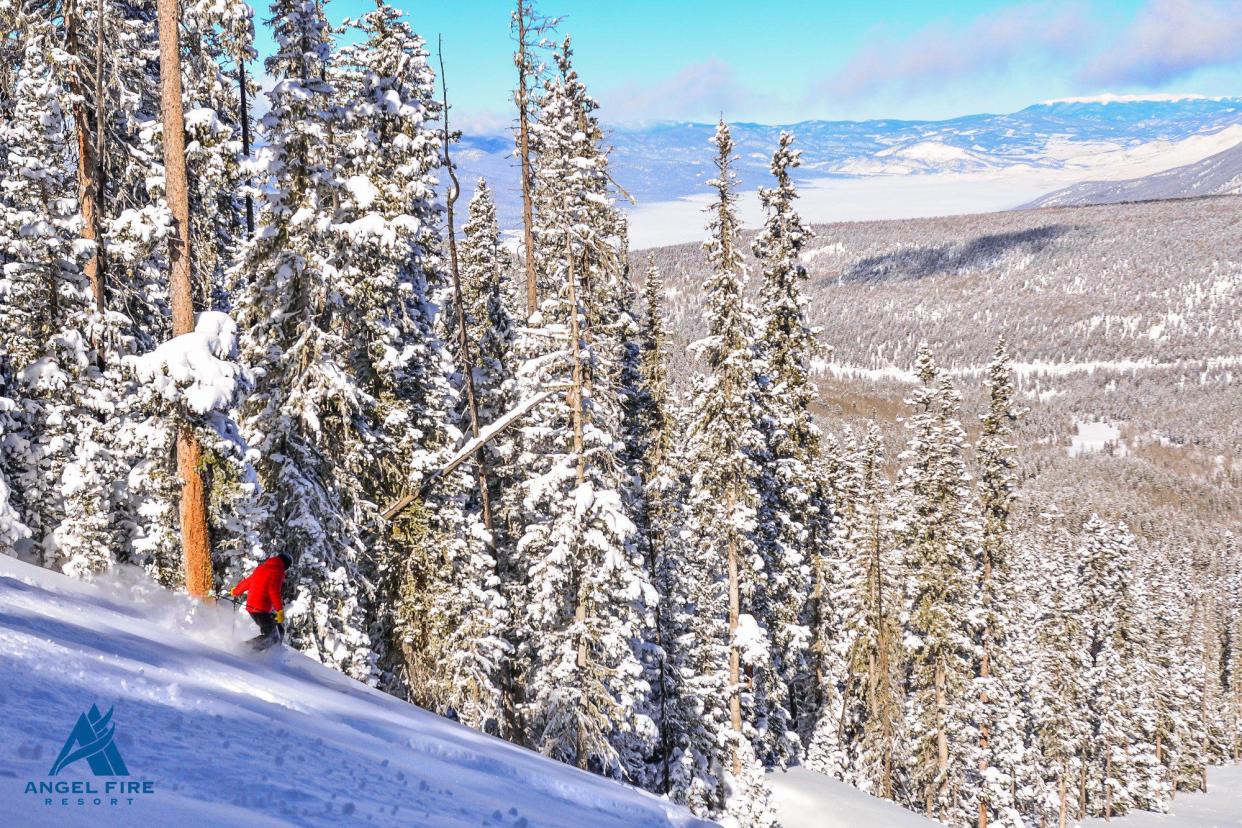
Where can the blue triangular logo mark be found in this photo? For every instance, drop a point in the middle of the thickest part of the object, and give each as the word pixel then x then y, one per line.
pixel 91 739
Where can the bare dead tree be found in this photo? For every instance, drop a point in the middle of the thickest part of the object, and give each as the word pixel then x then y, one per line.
pixel 463 339
pixel 529 28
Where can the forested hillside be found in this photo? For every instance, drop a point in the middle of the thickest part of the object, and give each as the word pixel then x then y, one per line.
pixel 797 496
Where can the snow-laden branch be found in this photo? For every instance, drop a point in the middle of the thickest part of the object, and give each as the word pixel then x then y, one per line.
pixel 469 448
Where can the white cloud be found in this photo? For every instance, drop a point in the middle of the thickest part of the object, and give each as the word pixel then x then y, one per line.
pixel 1168 40
pixel 699 91
pixel 939 53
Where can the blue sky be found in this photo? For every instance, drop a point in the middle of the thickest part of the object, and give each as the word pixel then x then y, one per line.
pixel 782 61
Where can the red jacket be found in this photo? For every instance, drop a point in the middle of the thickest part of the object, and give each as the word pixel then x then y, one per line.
pixel 263 586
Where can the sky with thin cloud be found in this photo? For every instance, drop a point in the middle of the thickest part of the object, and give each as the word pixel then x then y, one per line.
pixel 784 61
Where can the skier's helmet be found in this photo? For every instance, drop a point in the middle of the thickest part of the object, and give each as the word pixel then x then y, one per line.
pixel 286 558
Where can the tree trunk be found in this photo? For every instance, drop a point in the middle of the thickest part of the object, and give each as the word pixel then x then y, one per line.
pixel 523 107
pixel 575 407
pixel 942 710
pixel 1237 742
pixel 1108 786
pixel 99 281
pixel 735 661
pixel 1082 788
pixel 985 669
pixel 1061 797
pixel 89 144
pixel 195 542
pixel 244 117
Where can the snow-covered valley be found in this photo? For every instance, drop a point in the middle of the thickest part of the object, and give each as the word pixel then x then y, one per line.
pixel 934 179
pixel 888 169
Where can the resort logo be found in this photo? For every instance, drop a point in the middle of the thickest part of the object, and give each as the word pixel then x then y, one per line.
pixel 93 739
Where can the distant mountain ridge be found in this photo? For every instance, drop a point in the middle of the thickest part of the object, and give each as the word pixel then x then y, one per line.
pixel 1219 174
pixel 668 161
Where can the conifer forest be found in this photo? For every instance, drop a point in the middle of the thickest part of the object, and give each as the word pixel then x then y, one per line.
pixel 617 507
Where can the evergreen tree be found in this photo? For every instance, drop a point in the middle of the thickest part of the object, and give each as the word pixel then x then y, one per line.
pixel 1058 689
pixel 59 463
pixel 795 510
pixel 215 34
pixel 724 447
pixel 486 274
pixel 484 588
pixel 664 495
pixel 389 266
pixel 1000 744
pixel 872 703
pixel 307 416
pixel 1107 596
pixel 936 537
pixel 1231 654
pixel 585 696
pixel 169 392
pixel 14 534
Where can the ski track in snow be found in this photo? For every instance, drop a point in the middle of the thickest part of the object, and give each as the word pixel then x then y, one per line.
pixel 234 738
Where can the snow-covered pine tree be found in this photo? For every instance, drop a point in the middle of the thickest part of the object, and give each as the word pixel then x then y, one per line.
pixel 194 379
pixel 585 697
pixel 724 443
pixel 1215 615
pixel 487 270
pixel 1169 673
pixel 936 535
pixel 1199 663
pixel 1231 657
pixel 680 763
pixel 824 741
pixel 308 415
pixel 532 31
pixel 871 715
pixel 839 472
pixel 483 641
pixel 13 532
pixel 1144 783
pixel 118 42
pixel 1057 687
pixel 49 323
pixel 391 268
pixel 1000 743
pixel 1104 786
pixel 216 35
pixel 795 512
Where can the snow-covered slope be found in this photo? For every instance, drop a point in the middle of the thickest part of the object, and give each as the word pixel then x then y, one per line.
pixel 1220 807
pixel 806 799
pixel 1219 174
pixel 226 737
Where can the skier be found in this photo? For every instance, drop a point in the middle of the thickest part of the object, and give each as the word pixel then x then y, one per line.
pixel 262 590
